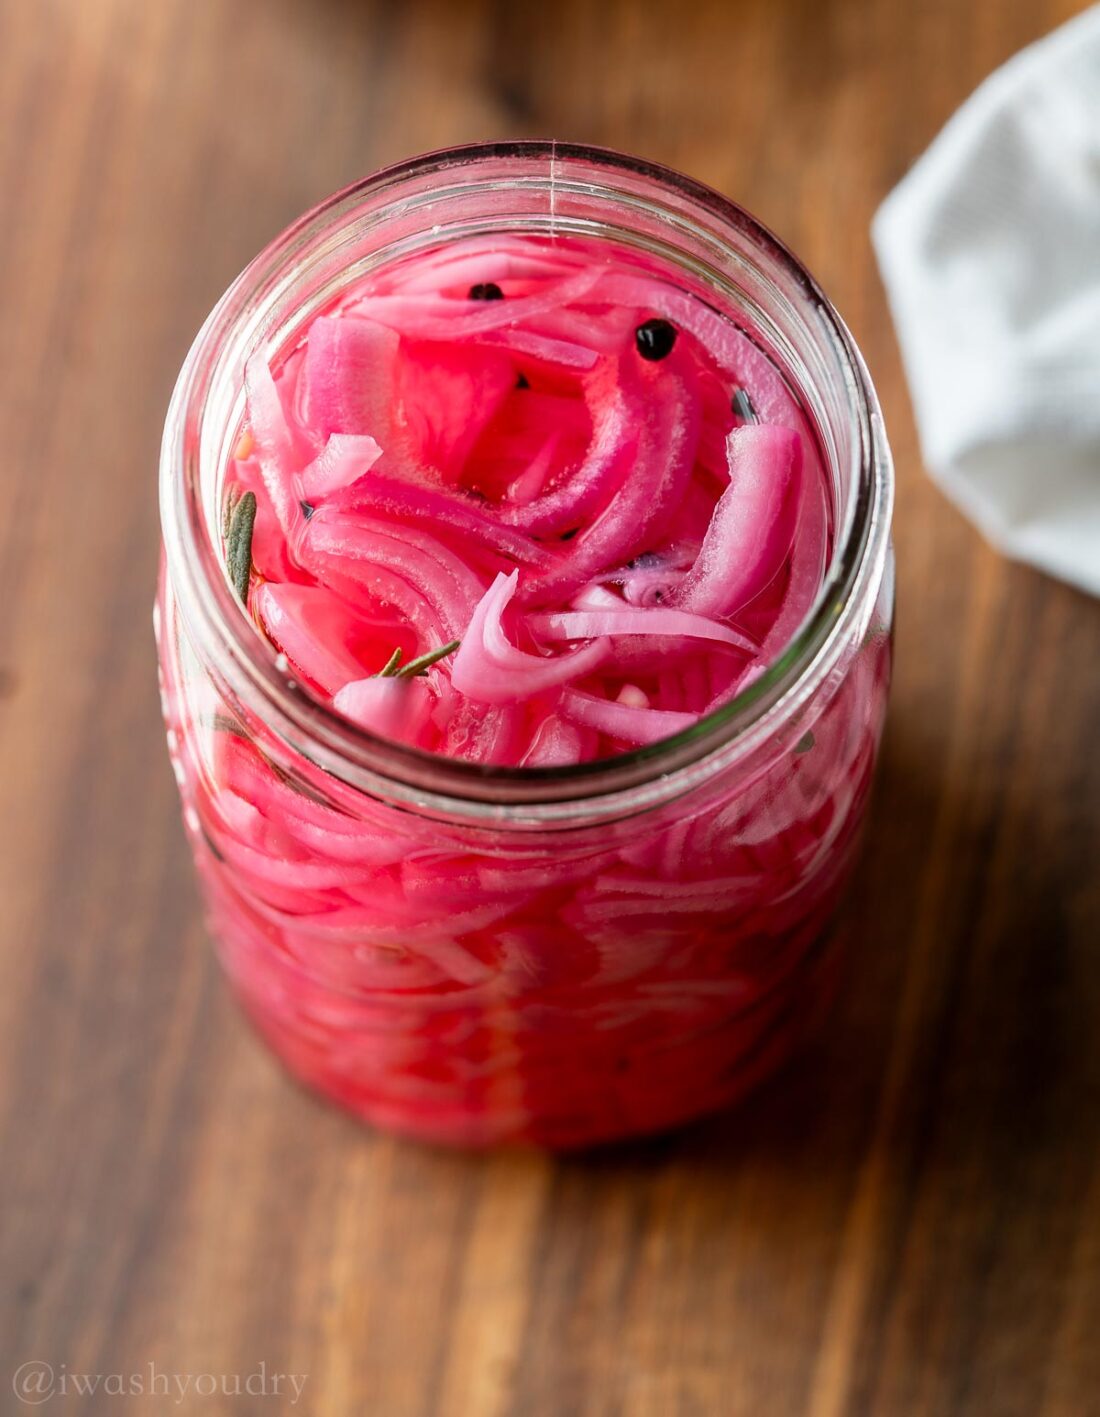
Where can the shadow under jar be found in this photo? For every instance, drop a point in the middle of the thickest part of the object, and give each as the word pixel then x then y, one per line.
pixel 565 955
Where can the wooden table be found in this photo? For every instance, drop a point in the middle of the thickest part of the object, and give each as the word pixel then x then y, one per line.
pixel 908 1221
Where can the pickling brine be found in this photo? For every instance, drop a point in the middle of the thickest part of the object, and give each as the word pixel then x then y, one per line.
pixel 525 506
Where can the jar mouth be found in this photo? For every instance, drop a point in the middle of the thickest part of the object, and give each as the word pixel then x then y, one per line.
pixel 200 419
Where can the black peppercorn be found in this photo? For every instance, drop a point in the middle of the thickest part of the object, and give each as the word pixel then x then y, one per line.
pixel 486 290
pixel 655 339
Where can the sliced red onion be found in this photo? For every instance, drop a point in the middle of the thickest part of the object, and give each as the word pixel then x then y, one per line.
pixel 675 624
pixel 667 435
pixel 809 553
pixel 441 318
pixel 624 722
pixel 446 395
pixel 597 597
pixel 752 526
pixel 456 269
pixel 349 378
pixel 490 669
pixel 311 628
pixel 554 743
pixel 618 417
pixel 544 347
pixel 279 450
pixel 385 491
pixel 364 547
pixel 530 483
pixel 345 458
pixel 392 708
pixel 420 439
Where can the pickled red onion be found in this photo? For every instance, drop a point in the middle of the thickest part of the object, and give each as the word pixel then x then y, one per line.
pixel 623 721
pixel 753 522
pixel 522 471
pixel 392 708
pixel 490 669
pixel 671 624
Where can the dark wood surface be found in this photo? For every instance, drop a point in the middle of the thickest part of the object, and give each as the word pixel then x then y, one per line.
pixel 907 1221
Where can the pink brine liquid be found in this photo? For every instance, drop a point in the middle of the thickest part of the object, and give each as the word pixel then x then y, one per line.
pixel 527 503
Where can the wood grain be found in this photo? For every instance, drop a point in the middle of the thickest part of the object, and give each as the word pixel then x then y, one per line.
pixel 906 1222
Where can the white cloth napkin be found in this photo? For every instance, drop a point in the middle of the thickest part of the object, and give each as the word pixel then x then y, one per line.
pixel 990 251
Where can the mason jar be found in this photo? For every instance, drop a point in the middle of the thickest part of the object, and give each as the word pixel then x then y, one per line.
pixel 564 955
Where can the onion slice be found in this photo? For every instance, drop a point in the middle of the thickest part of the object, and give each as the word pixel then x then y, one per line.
pixel 278 447
pixel 345 458
pixel 311 627
pixel 392 708
pixel 618 414
pixel 660 454
pixel 623 721
pixel 349 377
pixel 489 668
pixel 444 318
pixel 753 523
pixel 677 624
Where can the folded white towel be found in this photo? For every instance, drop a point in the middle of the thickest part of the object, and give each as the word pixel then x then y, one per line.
pixel 990 251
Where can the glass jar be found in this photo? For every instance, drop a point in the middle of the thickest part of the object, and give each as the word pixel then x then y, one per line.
pixel 638 940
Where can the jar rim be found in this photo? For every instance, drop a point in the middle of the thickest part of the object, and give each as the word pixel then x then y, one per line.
pixel 400 772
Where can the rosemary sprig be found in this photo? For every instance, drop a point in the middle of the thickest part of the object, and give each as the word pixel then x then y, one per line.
pixel 389 669
pixel 225 723
pixel 742 406
pixel 415 667
pixel 422 663
pixel 232 497
pixel 238 543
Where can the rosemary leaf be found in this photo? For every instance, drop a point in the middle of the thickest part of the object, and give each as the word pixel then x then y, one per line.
pixel 231 499
pixel 389 669
pixel 423 662
pixel 238 544
pixel 224 723
pixel 742 406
